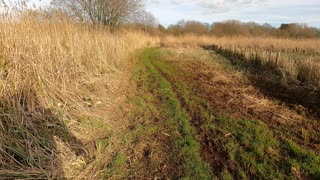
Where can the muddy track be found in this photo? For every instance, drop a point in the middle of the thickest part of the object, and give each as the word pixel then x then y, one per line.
pixel 163 143
pixel 211 151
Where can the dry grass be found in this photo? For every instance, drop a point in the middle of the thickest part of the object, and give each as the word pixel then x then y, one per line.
pixel 266 43
pixel 54 76
pixel 186 41
pixel 270 43
pixel 298 60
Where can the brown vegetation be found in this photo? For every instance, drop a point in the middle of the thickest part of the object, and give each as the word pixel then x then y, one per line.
pixel 54 78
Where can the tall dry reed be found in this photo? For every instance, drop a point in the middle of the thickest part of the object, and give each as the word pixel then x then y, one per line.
pixel 49 74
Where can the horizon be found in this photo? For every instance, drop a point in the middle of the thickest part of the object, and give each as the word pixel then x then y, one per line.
pixel 261 24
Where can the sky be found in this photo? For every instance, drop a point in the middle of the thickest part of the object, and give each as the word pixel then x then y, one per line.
pixel 273 12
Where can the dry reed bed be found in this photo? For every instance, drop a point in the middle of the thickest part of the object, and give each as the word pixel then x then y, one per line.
pixel 49 75
pixel 310 46
pixel 266 43
pixel 297 60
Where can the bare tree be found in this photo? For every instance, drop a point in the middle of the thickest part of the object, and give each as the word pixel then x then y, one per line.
pixel 106 12
pixel 144 19
pixel 12 7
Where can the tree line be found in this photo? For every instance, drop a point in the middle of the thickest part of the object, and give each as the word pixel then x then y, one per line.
pixel 116 14
pixel 238 28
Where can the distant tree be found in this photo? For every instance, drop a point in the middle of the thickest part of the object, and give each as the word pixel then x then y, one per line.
pixel 270 30
pixel 308 32
pixel 146 20
pixel 188 27
pixel 318 33
pixel 162 29
pixel 297 31
pixel 195 27
pixel 175 30
pixel 238 28
pixel 289 30
pixel 106 12
pixel 229 28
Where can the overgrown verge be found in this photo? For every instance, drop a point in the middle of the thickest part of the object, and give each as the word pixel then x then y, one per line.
pixel 57 91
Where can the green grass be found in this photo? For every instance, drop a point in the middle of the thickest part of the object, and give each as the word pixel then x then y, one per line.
pixel 156 100
pixel 252 147
pixel 115 168
pixel 303 159
pixel 259 153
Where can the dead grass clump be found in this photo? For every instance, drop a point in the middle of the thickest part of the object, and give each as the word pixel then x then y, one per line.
pixel 27 136
pixel 309 71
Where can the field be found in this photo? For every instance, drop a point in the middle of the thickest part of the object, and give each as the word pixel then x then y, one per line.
pixel 77 101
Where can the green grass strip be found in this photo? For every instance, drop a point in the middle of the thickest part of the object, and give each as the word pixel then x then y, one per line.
pixel 177 120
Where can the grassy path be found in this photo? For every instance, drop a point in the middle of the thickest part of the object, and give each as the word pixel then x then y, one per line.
pixel 161 140
pixel 184 148
pixel 178 131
